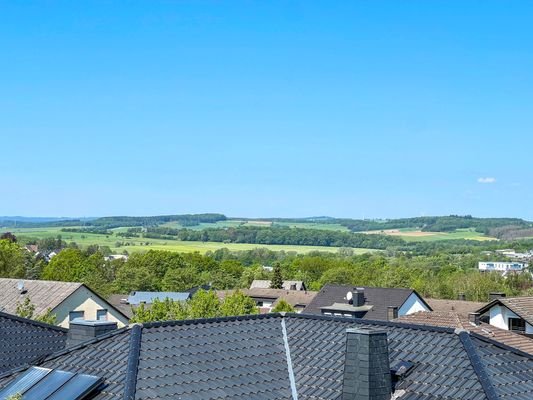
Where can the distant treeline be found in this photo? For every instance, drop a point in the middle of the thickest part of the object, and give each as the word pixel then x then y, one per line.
pixel 275 235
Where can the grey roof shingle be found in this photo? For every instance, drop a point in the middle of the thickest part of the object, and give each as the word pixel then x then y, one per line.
pixel 246 358
pixel 379 298
pixel 23 341
pixel 43 294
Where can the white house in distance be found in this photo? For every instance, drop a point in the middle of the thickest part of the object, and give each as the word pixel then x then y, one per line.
pixel 66 300
pixel 501 266
pixel 509 313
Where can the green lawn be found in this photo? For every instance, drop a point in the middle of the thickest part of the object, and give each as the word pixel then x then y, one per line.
pixel 138 244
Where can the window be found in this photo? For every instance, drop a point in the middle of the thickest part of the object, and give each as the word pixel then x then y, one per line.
pixel 517 324
pixel 101 315
pixel 76 315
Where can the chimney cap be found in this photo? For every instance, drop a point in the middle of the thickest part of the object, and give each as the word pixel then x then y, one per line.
pixel 85 322
pixel 366 331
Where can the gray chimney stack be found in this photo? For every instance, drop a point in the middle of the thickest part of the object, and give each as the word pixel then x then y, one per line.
pixel 367 373
pixel 81 330
pixel 461 297
pixel 358 297
pixel 496 295
pixel 392 313
pixel 474 317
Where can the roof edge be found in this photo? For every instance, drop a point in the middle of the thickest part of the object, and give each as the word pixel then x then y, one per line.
pixel 501 345
pixel 491 304
pixel 477 365
pixel 33 322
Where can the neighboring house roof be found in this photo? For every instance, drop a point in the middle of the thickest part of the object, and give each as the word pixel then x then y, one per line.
pixel 454 320
pixel 136 298
pixel 521 306
pixel 23 341
pixel 295 298
pixel 457 306
pixel 379 298
pixel 256 357
pixel 265 284
pixel 43 294
pixel 120 302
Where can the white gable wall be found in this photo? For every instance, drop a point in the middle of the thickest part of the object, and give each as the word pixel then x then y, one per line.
pixel 412 304
pixel 499 317
pixel 85 300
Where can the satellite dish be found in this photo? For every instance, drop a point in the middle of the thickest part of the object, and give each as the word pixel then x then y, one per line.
pixel 20 286
pixel 349 296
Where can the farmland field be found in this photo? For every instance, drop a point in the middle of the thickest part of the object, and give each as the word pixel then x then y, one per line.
pixel 139 244
pixel 414 235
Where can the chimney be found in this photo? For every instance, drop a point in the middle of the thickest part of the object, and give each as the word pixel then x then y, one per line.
pixel 81 330
pixel 392 313
pixel 358 297
pixel 496 295
pixel 461 296
pixel 366 369
pixel 473 317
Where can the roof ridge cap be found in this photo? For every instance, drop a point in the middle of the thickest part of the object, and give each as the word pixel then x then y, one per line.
pixel 132 368
pixel 477 365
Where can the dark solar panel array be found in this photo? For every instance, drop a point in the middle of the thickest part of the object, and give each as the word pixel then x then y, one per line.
pixel 51 384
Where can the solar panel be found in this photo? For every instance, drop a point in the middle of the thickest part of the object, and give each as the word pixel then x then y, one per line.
pixel 77 388
pixel 24 382
pixel 46 384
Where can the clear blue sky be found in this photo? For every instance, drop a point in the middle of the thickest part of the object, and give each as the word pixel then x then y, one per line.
pixel 266 108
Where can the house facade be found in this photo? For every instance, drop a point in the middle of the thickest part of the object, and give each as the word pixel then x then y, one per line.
pixel 509 313
pixel 366 302
pixel 66 300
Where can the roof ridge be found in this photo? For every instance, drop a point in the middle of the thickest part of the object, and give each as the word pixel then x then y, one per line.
pixel 157 324
pixel 374 322
pixel 133 362
pixel 477 365
pixel 41 280
pixel 33 322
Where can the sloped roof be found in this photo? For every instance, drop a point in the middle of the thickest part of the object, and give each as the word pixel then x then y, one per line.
pixel 249 357
pixel 265 284
pixel 22 340
pixel 293 297
pixel 457 306
pixel 455 320
pixel 43 294
pixel 379 298
pixel 521 306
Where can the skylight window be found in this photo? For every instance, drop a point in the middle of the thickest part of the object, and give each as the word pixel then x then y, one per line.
pixel 47 384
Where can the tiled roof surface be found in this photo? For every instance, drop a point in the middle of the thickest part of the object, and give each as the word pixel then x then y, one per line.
pixel 22 341
pixel 454 320
pixel 43 294
pixel 457 306
pixel 248 358
pixel 119 301
pixel 379 298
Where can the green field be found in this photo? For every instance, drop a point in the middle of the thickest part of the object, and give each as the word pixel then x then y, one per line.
pixel 415 235
pixel 138 244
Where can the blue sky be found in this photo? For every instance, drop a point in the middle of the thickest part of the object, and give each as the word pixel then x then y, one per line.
pixel 266 108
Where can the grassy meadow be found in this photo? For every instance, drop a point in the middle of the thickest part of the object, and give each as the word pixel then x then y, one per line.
pixel 140 244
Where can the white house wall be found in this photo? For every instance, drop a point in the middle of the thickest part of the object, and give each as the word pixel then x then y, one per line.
pixel 412 304
pixel 88 302
pixel 499 317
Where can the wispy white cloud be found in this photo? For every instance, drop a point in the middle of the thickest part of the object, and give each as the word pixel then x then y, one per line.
pixel 488 179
